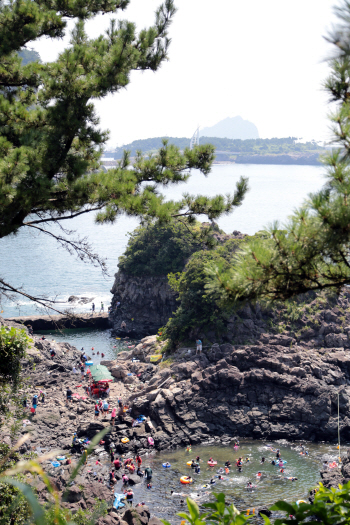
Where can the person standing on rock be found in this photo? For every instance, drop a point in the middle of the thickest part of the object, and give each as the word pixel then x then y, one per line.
pixel 199 346
pixel 113 415
pixel 102 309
pixel 121 412
pixel 97 411
pixel 69 395
pixel 93 308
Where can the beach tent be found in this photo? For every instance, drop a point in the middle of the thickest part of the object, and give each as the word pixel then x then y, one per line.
pixel 100 373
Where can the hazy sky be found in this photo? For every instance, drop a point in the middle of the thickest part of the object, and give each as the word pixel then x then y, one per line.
pixel 263 60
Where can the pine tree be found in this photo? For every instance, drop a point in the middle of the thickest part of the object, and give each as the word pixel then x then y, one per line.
pixel 312 250
pixel 50 142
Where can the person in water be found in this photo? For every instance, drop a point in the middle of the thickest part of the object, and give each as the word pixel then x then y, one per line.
pixel 198 459
pixel 273 462
pixel 249 485
pixel 212 481
pixel 262 460
pixel 227 464
pixel 239 469
pixel 291 479
pixel 193 464
pixel 197 469
pixel 278 455
pixel 247 460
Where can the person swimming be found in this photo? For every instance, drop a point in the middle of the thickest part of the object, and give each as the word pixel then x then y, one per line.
pixel 247 460
pixel 262 460
pixel 212 481
pixel 291 479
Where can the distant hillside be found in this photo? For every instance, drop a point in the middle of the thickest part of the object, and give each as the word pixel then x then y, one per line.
pixel 29 55
pixel 226 148
pixel 231 128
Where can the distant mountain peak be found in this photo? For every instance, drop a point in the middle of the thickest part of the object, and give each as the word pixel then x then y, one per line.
pixel 231 128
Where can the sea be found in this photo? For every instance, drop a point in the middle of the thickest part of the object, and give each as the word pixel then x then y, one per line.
pixel 38 265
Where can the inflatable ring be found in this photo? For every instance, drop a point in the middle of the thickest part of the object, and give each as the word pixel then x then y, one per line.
pixel 212 463
pixel 125 440
pixel 186 481
pixel 278 464
pixel 166 466
pixel 300 501
pixel 61 458
pixel 189 463
pixel 333 465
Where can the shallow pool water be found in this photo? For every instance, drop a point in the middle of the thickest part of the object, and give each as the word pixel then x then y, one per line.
pixel 101 340
pixel 271 487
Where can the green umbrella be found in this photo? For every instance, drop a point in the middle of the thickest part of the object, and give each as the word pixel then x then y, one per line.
pixel 100 373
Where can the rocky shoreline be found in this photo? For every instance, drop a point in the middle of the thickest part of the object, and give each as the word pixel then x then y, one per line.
pixel 283 385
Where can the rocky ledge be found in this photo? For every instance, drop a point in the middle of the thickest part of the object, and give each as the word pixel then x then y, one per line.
pixel 274 389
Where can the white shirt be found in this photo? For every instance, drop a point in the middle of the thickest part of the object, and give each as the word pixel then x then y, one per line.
pixel 75 371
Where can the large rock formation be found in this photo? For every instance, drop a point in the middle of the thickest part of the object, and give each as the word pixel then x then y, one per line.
pixel 231 128
pixel 146 303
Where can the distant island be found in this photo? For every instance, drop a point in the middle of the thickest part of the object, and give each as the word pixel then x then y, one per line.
pixel 250 151
pixel 231 128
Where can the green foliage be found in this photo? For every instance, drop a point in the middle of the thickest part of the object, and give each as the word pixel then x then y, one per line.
pixel 22 501
pixel 90 517
pixel 330 507
pixel 312 250
pixel 218 512
pixel 13 345
pixel 198 311
pixel 50 142
pixel 248 146
pixel 159 249
pixel 14 507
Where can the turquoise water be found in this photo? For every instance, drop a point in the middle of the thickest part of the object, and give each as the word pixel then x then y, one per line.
pixel 270 488
pixel 101 340
pixel 36 263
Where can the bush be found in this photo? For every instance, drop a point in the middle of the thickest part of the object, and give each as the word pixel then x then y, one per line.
pixel 159 249
pixel 330 507
pixel 198 311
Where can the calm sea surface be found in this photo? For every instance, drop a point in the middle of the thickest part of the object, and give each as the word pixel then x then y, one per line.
pixel 39 265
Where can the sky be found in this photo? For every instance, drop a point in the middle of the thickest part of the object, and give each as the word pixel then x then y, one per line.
pixel 262 60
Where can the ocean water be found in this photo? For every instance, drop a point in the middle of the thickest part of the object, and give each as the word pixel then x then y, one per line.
pixel 37 264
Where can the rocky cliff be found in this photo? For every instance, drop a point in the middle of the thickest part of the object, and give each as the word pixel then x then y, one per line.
pixel 283 385
pixel 146 303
